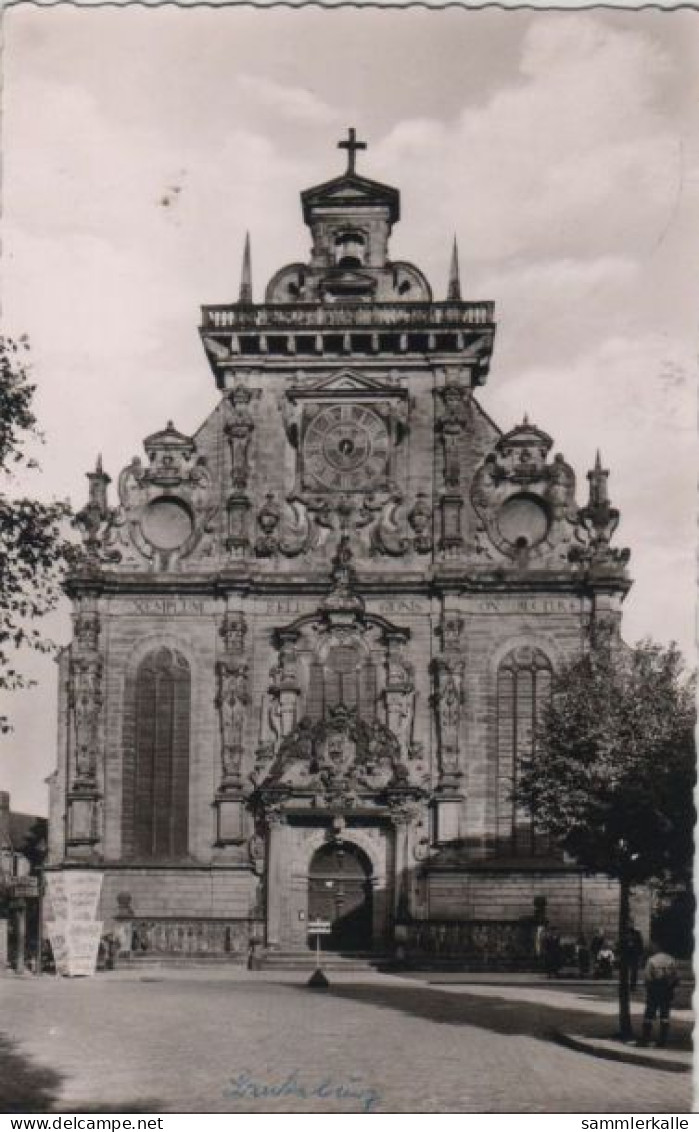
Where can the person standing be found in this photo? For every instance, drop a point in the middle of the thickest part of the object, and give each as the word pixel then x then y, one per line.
pixel 661 979
pixel 582 955
pixel 632 945
pixel 552 953
pixel 540 944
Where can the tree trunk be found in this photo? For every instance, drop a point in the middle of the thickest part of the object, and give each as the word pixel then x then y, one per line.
pixel 625 1031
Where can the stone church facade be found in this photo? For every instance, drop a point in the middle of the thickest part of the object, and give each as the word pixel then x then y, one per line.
pixel 310 642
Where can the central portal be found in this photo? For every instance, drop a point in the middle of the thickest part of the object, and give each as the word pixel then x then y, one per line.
pixel 340 890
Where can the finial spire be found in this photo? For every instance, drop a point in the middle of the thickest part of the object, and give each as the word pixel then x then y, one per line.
pixel 454 288
pixel 99 482
pixel 245 295
pixel 351 145
pixel 599 496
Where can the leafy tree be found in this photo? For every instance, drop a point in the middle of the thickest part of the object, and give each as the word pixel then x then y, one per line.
pixel 611 777
pixel 34 551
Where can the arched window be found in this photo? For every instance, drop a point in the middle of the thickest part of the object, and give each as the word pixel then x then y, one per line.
pixel 350 249
pixel 156 768
pixel 523 686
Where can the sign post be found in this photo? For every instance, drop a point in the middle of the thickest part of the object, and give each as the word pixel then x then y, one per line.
pixel 319 980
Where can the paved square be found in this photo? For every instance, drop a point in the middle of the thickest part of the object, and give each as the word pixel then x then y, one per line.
pixel 233 1041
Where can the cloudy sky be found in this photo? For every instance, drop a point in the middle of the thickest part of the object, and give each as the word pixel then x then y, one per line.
pixel 139 145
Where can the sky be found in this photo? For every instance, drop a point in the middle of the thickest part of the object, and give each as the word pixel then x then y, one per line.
pixel 140 144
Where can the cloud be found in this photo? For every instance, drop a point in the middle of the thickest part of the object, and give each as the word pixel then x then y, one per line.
pixel 636 400
pixel 295 103
pixel 569 157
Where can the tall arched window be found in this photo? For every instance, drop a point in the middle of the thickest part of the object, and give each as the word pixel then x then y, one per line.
pixel 156 768
pixel 523 686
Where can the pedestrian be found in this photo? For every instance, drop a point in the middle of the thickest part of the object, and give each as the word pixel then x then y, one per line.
pixel 661 979
pixel 113 945
pixel 604 968
pixel 631 945
pixel 553 955
pixel 582 956
pixel 595 943
pixel 540 944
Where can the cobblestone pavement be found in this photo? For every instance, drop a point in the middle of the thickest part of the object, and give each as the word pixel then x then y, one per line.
pixel 204 1040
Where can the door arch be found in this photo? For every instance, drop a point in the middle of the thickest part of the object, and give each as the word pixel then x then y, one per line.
pixel 340 890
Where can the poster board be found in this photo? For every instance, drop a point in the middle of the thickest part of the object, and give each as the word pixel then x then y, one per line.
pixel 72 900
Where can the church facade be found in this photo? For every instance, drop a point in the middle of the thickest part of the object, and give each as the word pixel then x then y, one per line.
pixel 310 641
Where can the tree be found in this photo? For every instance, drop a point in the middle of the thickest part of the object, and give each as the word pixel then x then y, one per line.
pixel 34 551
pixel 611 775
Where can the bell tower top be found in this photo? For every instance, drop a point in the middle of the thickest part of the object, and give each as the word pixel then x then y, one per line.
pixel 351 216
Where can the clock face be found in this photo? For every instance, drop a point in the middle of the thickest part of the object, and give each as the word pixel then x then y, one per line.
pixel 345 448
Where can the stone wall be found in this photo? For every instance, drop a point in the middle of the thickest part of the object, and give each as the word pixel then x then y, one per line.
pixel 574 902
pixel 180 892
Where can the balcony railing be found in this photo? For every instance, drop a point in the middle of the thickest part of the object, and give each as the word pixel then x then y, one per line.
pixel 341 316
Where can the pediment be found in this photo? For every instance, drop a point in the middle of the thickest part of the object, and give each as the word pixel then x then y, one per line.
pixel 348 383
pixel 351 188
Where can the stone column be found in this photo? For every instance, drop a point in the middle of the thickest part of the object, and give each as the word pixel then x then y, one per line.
pixel 233 703
pixel 276 838
pixel 448 671
pixel 85 706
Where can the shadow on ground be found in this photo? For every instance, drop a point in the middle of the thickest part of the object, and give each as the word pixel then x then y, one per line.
pixel 26 1086
pixel 500 1015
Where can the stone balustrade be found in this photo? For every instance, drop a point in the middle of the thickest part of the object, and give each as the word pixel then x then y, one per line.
pixel 316 316
pixel 194 937
pixel 478 943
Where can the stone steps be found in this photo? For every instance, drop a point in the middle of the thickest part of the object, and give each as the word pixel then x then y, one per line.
pixel 173 960
pixel 329 961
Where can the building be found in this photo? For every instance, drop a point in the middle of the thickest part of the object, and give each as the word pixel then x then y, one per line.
pixel 311 640
pixel 22 850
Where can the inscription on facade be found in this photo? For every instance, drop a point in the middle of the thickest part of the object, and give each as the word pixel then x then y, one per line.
pixel 285 606
pixel 168 607
pixel 514 605
pixel 403 605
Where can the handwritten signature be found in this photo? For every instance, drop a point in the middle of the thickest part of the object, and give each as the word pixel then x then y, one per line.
pixel 245 1086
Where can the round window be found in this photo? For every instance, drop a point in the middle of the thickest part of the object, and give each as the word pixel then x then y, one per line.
pixel 523 521
pixel 167 523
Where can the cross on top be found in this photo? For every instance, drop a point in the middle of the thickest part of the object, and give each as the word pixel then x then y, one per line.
pixel 351 145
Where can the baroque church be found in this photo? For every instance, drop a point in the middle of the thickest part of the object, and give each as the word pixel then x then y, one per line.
pixel 311 641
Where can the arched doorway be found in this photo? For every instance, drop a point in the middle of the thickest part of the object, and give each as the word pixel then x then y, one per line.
pixel 339 890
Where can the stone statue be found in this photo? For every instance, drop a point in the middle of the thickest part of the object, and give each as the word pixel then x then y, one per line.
pixel 85 700
pixel 239 432
pixel 232 701
pixel 449 699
